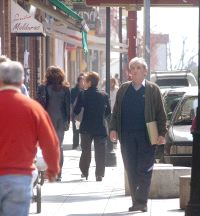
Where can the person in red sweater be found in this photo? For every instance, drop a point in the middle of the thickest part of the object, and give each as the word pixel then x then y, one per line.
pixel 24 126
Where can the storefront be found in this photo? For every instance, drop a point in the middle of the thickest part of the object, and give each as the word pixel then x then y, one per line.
pixel 23 36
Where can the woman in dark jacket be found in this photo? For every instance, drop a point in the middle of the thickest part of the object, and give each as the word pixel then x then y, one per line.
pixel 96 107
pixel 55 98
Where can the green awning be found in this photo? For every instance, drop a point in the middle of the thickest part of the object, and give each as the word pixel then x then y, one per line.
pixel 84 41
pixel 67 10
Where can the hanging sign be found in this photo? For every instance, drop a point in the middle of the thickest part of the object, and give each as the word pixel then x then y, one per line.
pixel 23 22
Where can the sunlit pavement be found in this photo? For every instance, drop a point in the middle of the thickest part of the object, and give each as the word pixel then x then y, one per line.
pixel 74 196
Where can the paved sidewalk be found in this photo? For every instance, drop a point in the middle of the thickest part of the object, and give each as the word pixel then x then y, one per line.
pixel 75 196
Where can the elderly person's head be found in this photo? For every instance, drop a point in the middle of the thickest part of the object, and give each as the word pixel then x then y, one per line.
pixel 92 79
pixel 138 70
pixel 11 73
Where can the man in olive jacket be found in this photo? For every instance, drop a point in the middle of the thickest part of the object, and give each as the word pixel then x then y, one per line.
pixel 138 102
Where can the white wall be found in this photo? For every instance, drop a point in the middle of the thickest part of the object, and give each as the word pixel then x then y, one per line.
pixel 59 53
pixel 161 53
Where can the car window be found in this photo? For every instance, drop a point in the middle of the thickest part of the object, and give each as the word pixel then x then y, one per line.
pixel 172 82
pixel 186 111
pixel 170 102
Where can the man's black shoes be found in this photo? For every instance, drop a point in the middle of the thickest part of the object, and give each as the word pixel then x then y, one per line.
pixel 99 178
pixel 138 207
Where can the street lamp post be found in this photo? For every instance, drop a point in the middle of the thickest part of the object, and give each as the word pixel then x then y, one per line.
pixel 120 40
pixel 108 50
pixel 147 6
pixel 111 160
pixel 193 207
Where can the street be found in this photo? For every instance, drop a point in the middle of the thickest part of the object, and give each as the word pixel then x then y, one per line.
pixel 74 196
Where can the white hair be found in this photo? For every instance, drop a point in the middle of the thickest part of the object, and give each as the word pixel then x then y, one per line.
pixel 138 60
pixel 11 72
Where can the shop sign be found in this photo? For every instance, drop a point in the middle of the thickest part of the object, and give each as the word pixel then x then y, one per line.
pixel 140 2
pixel 22 21
pixel 89 14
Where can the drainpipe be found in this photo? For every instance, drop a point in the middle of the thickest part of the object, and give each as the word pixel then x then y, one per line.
pixel 193 207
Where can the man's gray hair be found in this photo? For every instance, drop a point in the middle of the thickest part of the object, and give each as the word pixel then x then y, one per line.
pixel 139 60
pixel 11 72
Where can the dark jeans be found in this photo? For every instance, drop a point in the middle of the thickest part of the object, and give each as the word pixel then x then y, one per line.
pixel 99 149
pixel 138 158
pixel 60 130
pixel 61 161
pixel 75 135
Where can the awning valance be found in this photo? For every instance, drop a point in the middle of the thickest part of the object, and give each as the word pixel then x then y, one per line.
pixel 24 23
pixel 69 18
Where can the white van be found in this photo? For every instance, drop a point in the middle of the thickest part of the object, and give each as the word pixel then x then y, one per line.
pixel 173 79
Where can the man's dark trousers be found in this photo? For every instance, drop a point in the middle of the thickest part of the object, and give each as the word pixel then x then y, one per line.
pixel 138 158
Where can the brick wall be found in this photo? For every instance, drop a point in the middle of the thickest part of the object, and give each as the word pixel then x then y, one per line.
pixel 6 37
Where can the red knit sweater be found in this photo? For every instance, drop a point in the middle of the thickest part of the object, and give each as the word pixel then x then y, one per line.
pixel 23 125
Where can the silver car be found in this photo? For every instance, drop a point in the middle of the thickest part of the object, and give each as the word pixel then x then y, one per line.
pixel 178 148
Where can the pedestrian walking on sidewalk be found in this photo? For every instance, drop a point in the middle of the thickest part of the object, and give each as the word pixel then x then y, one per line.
pixel 113 91
pixel 96 107
pixel 23 88
pixel 138 102
pixel 54 95
pixel 74 94
pixel 24 125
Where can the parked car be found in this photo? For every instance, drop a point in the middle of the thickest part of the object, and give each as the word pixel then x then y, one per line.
pixel 178 147
pixel 171 98
pixel 172 79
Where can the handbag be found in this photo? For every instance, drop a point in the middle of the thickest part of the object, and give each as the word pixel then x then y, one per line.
pixel 79 117
pixel 42 96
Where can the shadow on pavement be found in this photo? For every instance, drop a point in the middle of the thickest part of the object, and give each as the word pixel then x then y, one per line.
pixel 81 197
pixel 108 214
pixel 176 210
pixel 71 181
pixel 67 147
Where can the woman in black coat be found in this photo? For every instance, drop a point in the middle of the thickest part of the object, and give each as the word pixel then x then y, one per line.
pixel 55 98
pixel 96 107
